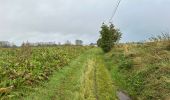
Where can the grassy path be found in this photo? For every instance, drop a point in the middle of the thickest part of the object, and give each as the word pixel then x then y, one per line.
pixel 86 78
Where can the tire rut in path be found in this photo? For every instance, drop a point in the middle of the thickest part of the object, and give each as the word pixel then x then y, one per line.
pixel 86 78
pixel 90 80
pixel 96 82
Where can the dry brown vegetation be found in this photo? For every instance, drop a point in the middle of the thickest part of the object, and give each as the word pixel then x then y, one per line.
pixel 143 69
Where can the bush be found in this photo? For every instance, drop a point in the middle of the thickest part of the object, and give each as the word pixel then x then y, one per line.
pixel 109 36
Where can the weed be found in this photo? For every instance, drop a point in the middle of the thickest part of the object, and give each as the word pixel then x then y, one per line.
pixel 124 63
pixel 150 81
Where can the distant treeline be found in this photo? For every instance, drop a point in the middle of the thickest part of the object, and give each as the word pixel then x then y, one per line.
pixel 7 44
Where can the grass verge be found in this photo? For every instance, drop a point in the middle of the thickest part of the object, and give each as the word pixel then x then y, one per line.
pixel 143 72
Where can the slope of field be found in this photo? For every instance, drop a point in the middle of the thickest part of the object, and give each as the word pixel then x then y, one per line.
pixel 143 70
pixel 86 78
pixel 21 69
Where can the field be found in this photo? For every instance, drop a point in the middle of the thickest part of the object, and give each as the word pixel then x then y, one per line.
pixel 141 71
pixel 27 66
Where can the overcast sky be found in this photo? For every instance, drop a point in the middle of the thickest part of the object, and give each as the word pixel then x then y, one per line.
pixel 61 20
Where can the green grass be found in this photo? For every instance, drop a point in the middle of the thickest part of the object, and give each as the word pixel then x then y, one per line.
pixel 143 71
pixel 27 67
pixel 106 90
pixel 86 78
pixel 96 81
pixel 63 84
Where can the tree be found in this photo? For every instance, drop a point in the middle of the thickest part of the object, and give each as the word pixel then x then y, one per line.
pixel 109 35
pixel 5 44
pixel 79 42
pixel 68 43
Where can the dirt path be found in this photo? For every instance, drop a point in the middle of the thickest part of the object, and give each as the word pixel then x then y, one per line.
pixel 87 78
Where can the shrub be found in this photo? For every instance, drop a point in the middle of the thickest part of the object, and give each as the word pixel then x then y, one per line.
pixel 109 36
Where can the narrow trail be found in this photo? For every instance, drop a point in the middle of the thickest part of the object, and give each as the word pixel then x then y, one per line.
pixel 86 78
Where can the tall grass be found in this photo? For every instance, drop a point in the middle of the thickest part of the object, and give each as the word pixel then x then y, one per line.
pixel 148 75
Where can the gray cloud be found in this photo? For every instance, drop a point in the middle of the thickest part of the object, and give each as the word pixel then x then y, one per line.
pixel 61 20
pixel 138 19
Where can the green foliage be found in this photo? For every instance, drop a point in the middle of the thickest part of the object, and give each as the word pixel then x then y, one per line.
pixel 149 78
pixel 124 63
pixel 29 66
pixel 85 78
pixel 109 35
pixel 136 83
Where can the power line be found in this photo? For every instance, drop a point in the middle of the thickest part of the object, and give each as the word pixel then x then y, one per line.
pixel 115 10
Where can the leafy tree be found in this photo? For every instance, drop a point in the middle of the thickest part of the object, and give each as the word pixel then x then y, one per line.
pixel 79 42
pixel 109 35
